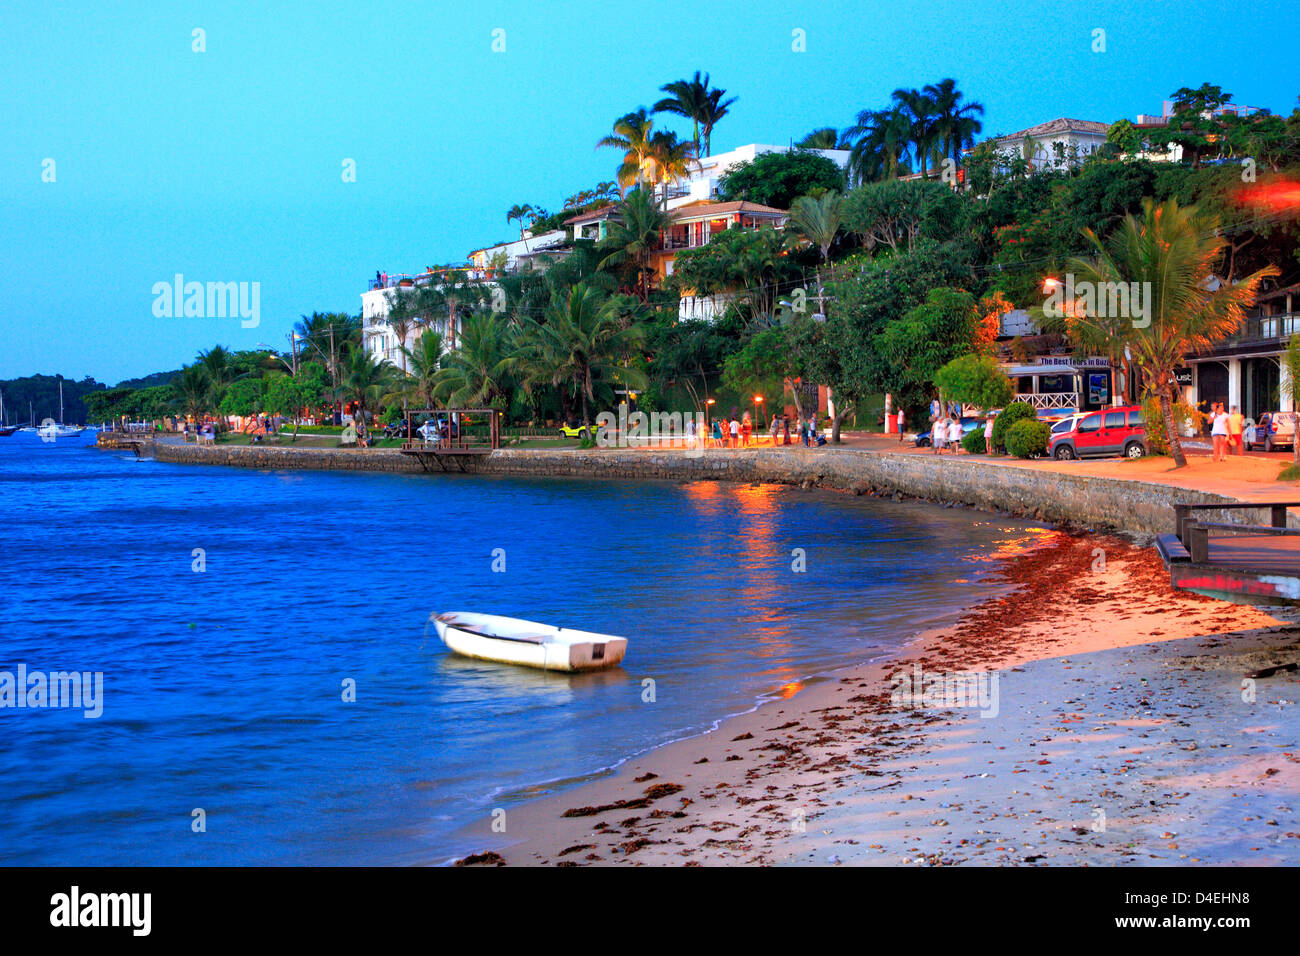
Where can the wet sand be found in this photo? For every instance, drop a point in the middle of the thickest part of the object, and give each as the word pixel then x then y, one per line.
pixel 1119 731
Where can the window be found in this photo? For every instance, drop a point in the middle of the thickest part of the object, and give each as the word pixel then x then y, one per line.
pixel 1091 423
pixel 1114 419
pixel 1135 418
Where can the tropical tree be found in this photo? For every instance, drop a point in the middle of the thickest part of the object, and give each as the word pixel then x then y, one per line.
pixel 193 391
pixel 957 123
pixel 1167 255
pixel 367 381
pixel 922 114
pixel 584 341
pixel 519 213
pixel 778 179
pixel 878 145
pixel 818 220
pixel 669 160
pixel 694 100
pixel 633 134
pixel 220 368
pixel 634 236
pixel 403 318
pixel 475 372
pixel 824 138
pixel 425 359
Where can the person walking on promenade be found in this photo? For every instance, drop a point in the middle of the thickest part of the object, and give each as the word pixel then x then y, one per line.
pixel 900 424
pixel 746 429
pixel 954 435
pixel 938 436
pixel 785 431
pixel 1219 433
pixel 988 434
pixel 1236 425
pixel 735 433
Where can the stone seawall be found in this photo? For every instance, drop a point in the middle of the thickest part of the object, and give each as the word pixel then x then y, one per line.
pixel 1133 506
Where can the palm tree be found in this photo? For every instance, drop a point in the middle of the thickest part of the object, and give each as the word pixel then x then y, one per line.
pixel 474 372
pixel 670 159
pixel 920 111
pixel 715 109
pixel 1169 253
pixel 366 381
pixel 956 125
pixel 693 100
pixel 818 220
pixel 217 363
pixel 520 213
pixel 634 236
pixel 632 134
pixel 328 337
pixel 583 341
pixel 403 317
pixel 194 390
pixel 425 359
pixel 824 138
pixel 879 143
pixel 608 190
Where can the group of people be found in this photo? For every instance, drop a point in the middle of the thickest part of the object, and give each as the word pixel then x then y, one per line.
pixel 1226 429
pixel 945 433
pixel 738 431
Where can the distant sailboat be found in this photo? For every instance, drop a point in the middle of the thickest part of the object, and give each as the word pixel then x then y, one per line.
pixel 5 430
pixel 51 430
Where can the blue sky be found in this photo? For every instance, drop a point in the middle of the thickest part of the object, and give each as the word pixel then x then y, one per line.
pixel 226 165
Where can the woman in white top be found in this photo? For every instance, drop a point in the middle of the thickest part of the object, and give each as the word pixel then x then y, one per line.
pixel 988 435
pixel 954 435
pixel 1219 433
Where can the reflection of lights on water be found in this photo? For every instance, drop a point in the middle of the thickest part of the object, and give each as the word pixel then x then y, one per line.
pixel 789 690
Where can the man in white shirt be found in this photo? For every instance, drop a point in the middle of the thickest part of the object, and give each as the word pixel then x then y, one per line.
pixel 954 436
pixel 938 436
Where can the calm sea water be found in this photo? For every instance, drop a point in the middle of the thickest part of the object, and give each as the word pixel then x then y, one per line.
pixel 223 689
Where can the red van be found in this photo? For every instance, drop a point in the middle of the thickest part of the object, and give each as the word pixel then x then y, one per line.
pixel 1111 431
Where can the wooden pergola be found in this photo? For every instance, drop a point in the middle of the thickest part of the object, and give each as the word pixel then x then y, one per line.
pixel 468 431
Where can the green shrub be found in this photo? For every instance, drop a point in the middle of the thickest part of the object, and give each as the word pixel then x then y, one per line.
pixel 1028 439
pixel 1015 412
pixel 973 442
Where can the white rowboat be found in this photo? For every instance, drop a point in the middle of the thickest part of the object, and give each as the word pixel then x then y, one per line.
pixel 492 637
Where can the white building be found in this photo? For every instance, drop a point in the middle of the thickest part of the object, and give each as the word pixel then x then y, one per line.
pixel 1055 144
pixel 702 184
pixel 510 256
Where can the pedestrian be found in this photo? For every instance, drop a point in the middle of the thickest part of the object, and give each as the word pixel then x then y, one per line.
pixel 735 433
pixel 954 435
pixel 1236 425
pixel 988 434
pixel 1219 433
pixel 746 428
pixel 785 430
pixel 900 424
pixel 938 436
pixel 690 432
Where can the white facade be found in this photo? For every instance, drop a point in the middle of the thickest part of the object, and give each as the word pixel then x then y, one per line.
pixel 516 249
pixel 379 338
pixel 702 184
pixel 1056 144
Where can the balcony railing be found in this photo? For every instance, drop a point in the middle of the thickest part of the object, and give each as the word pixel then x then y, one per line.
pixel 1050 399
pixel 1264 328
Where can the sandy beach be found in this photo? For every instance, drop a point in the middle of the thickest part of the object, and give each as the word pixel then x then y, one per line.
pixel 1113 724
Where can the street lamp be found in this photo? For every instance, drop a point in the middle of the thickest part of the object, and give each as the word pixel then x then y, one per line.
pixel 758 400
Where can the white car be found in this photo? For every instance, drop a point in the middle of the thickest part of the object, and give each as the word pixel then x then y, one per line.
pixel 1278 432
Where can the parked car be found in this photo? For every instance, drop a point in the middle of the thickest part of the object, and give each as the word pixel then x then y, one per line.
pixel 1112 431
pixel 576 430
pixel 968 424
pixel 1274 430
pixel 1066 424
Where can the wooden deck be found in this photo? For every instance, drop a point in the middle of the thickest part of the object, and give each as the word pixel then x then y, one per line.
pixel 1234 561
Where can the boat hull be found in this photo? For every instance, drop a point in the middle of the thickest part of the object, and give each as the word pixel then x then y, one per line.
pixel 532 645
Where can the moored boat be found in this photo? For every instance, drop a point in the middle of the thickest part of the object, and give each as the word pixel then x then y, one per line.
pixel 510 640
